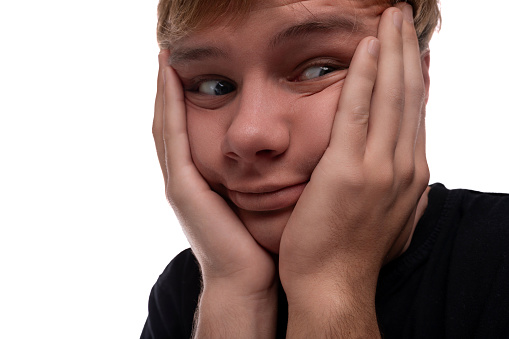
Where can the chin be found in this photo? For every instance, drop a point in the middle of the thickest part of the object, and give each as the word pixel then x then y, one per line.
pixel 266 227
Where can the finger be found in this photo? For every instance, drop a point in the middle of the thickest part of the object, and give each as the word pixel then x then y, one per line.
pixel 351 122
pixel 388 95
pixel 421 163
pixel 414 91
pixel 157 125
pixel 176 142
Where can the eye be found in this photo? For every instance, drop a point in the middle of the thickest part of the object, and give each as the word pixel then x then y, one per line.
pixel 215 87
pixel 315 72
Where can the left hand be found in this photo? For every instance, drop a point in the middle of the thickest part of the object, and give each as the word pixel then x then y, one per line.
pixel 363 193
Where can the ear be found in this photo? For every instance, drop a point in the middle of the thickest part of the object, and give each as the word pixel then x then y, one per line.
pixel 425 60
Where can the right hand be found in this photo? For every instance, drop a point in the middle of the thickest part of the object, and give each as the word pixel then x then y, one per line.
pixel 229 257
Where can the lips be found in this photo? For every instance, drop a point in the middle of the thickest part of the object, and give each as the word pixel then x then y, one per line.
pixel 267 199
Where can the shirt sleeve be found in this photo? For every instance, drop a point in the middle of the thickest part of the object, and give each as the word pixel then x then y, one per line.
pixel 173 299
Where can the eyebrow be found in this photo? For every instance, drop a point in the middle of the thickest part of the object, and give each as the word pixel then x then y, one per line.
pixel 315 25
pixel 190 54
pixel 332 23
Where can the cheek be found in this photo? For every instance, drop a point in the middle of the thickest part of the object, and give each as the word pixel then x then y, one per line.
pixel 314 121
pixel 205 133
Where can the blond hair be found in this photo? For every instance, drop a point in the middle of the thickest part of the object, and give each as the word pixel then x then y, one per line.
pixel 178 18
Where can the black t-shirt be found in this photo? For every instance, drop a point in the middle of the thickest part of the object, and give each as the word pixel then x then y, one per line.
pixel 452 282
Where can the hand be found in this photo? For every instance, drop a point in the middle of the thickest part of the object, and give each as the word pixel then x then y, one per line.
pixel 234 267
pixel 359 207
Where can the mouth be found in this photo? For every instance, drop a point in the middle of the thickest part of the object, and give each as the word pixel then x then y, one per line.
pixel 267 199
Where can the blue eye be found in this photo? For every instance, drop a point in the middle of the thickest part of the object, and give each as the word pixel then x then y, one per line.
pixel 216 87
pixel 315 72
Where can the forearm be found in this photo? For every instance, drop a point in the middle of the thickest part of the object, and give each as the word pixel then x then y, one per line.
pixel 332 310
pixel 223 313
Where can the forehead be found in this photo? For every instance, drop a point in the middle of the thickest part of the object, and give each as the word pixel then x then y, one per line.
pixel 264 4
pixel 294 10
pixel 278 21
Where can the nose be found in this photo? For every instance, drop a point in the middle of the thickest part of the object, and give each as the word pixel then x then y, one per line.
pixel 259 128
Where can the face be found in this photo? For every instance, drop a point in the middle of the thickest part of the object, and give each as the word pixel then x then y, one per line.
pixel 261 97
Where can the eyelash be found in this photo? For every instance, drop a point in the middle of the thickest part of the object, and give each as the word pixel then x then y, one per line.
pixel 317 63
pixel 194 84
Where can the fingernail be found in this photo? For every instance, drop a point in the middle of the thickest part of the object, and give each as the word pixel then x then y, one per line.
pixel 397 17
pixel 408 13
pixel 374 47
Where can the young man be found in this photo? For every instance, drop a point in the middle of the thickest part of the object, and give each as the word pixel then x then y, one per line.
pixel 291 139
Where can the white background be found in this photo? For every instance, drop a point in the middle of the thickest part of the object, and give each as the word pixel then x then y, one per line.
pixel 85 228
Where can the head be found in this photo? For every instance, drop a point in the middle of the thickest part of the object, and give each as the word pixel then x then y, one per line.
pixel 262 80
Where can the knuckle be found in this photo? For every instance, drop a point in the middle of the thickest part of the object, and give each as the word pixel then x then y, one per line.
pixel 385 180
pixel 410 38
pixel 417 91
pixel 382 177
pixel 173 193
pixel 360 114
pixel 423 174
pixel 396 96
pixel 156 130
pixel 407 172
pixel 166 135
pixel 355 179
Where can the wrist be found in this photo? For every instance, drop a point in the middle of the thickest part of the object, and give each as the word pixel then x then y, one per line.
pixel 332 309
pixel 232 293
pixel 341 283
pixel 225 312
pixel 317 293
pixel 332 320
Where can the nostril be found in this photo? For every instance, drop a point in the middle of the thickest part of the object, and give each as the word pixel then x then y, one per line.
pixel 265 152
pixel 232 155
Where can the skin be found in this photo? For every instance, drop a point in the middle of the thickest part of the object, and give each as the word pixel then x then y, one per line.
pixel 253 173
